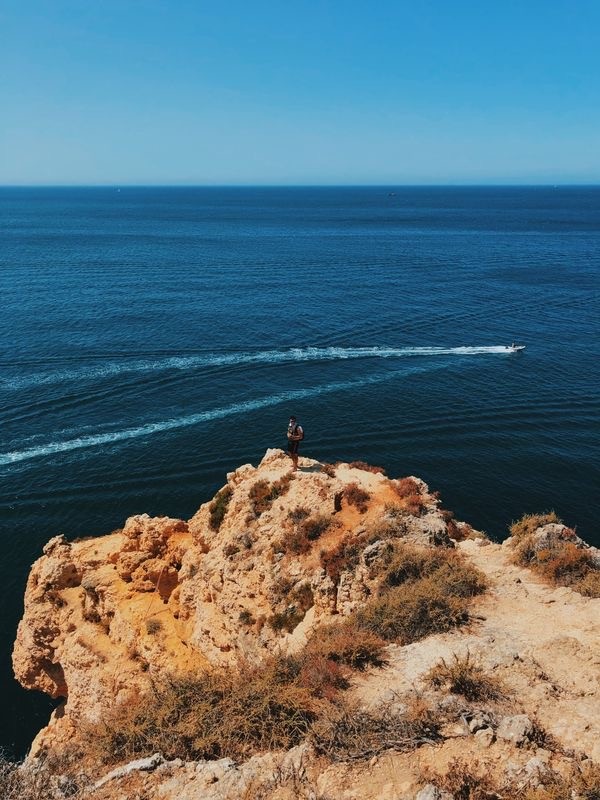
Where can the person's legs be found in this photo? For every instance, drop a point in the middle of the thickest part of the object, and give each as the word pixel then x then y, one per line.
pixel 293 451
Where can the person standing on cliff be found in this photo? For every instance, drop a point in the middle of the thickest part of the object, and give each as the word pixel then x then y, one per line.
pixel 295 434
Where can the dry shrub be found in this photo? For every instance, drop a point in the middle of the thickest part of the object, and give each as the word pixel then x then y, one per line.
pixel 295 543
pixel 353 734
pixel 423 592
pixel 245 617
pixel 328 469
pixel 349 645
pixel 153 626
pixel 529 524
pixel 38 781
pixel 409 492
pixel 300 599
pixel 218 508
pixel 466 677
pixel 367 467
pixel 314 527
pixel 461 532
pixel 589 585
pixel 413 611
pixel 262 494
pixel 357 497
pixel 344 556
pixel 212 715
pixel 405 487
pixel 12 783
pixel 391 526
pixel 449 568
pixel 560 563
pixel 298 514
pixel 323 677
pixel 465 781
pixel 473 782
pixel 305 532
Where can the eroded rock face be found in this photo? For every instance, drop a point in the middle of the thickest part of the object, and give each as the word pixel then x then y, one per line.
pixel 105 617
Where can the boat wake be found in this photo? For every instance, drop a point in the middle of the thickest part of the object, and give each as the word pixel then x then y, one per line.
pixel 114 437
pixel 187 363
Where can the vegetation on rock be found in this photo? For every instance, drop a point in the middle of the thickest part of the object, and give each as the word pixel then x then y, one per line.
pixel 218 508
pixel 558 556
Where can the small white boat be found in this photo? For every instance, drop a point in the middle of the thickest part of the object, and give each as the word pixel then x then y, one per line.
pixel 515 348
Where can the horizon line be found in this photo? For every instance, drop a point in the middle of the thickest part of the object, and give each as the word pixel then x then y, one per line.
pixel 457 185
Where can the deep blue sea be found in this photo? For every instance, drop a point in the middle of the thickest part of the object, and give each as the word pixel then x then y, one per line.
pixel 152 339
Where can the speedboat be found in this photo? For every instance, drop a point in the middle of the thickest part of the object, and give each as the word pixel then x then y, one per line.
pixel 515 348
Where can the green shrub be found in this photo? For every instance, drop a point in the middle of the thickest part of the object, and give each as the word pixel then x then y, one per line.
pixel 218 508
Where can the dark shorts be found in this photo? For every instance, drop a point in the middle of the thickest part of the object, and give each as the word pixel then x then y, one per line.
pixel 293 446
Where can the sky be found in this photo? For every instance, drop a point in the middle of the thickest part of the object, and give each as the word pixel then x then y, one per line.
pixel 339 92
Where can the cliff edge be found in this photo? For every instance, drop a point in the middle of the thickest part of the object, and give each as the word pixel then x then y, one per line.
pixel 409 654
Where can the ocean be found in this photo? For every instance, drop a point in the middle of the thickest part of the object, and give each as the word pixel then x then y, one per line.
pixel 153 339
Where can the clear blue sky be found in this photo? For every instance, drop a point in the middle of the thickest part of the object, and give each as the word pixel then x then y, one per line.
pixel 347 91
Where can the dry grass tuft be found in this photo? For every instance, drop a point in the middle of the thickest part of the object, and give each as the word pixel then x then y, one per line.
pixel 423 592
pixel 304 533
pixel 466 781
pixel 153 626
pixel 299 599
pixel 210 716
pixel 466 677
pixel 262 494
pixel 409 493
pixel 472 781
pixel 449 568
pixel 349 645
pixel 355 496
pixel 352 734
pixel 367 467
pixel 557 560
pixel 529 524
pixel 460 532
pixel 328 469
pixel 218 508
pixel 411 612
pixel 39 782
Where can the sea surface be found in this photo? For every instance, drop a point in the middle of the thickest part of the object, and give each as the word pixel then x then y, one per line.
pixel 153 339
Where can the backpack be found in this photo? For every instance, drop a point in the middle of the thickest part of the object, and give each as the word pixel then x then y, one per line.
pixel 295 431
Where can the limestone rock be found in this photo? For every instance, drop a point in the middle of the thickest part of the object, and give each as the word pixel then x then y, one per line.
pixel 107 618
pixel 516 729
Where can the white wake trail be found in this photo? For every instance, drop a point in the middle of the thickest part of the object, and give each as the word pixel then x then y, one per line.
pixel 113 437
pixel 187 363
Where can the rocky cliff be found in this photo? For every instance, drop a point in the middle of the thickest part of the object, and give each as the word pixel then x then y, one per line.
pixel 267 569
